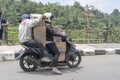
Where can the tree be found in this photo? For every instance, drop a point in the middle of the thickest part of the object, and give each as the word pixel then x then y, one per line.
pixel 115 12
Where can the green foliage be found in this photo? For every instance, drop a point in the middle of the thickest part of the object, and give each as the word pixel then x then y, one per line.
pixel 70 17
pixel 13 35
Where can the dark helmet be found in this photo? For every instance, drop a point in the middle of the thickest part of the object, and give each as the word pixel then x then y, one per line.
pixel 27 16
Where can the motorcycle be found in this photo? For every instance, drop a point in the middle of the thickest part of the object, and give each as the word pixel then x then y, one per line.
pixel 29 59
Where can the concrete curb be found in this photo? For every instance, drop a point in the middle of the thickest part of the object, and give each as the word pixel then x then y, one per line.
pixel 87 51
pixel 7 56
pixel 10 55
pixel 117 51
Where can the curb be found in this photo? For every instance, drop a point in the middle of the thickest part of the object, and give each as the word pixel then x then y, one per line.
pixel 10 55
pixel 110 51
pixel 117 51
pixel 7 56
pixel 87 51
pixel 100 52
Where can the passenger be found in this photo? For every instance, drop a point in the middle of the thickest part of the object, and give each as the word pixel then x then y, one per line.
pixel 25 35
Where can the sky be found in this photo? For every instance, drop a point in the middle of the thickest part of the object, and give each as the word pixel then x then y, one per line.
pixel 106 6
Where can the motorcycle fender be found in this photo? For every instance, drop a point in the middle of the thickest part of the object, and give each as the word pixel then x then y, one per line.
pixel 20 54
pixel 78 51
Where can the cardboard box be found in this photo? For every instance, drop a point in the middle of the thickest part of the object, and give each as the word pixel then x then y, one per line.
pixel 40 34
pixel 62 49
pixel 39 30
pixel 42 22
pixel 58 30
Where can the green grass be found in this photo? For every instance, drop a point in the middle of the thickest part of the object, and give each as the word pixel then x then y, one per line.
pixel 13 35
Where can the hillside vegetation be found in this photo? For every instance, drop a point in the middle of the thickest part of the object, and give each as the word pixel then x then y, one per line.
pixel 69 17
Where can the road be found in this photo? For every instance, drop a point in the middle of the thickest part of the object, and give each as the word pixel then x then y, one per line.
pixel 104 67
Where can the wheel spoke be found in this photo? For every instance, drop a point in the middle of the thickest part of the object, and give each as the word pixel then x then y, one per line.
pixel 72 62
pixel 28 66
pixel 24 63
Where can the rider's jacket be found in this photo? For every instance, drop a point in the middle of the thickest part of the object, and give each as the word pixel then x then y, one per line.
pixel 25 29
pixel 50 33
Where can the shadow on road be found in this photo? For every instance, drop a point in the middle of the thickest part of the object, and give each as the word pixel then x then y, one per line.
pixel 48 71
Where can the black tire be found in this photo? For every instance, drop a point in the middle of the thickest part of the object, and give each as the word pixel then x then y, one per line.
pixel 28 67
pixel 71 63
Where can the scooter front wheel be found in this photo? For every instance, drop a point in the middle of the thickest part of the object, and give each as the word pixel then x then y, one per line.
pixel 73 60
pixel 26 64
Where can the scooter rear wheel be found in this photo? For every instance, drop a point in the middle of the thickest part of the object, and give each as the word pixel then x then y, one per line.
pixel 26 64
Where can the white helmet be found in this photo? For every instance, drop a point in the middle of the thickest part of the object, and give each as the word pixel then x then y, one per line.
pixel 49 17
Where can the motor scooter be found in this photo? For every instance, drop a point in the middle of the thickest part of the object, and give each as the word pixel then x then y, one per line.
pixel 29 58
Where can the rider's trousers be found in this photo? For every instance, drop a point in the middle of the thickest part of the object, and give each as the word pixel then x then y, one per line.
pixel 35 44
pixel 53 48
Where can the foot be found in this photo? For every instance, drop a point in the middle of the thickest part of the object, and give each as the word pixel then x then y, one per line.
pixel 45 59
pixel 56 71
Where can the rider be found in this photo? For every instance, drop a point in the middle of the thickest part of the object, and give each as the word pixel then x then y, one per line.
pixel 25 35
pixel 50 33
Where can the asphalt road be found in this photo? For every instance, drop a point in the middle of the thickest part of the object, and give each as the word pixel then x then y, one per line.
pixel 104 67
